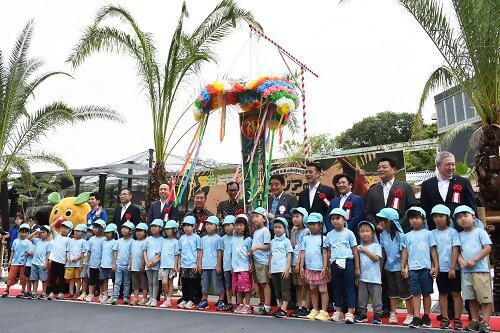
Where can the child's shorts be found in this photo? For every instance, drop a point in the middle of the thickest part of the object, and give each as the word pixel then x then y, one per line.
pixel 94 276
pixel 210 278
pixel 241 282
pixel 189 273
pixel 139 281
pixel 84 273
pixel 477 286
pixel 397 286
pixel 71 273
pixel 447 285
pixel 106 274
pixel 261 273
pixel 297 280
pixel 420 282
pixel 13 272
pixel 166 273
pixel 282 287
pixel 27 271
pixel 228 280
pixel 314 280
pixel 38 273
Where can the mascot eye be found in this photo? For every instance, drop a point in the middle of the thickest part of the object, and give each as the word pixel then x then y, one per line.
pixel 68 212
pixel 56 211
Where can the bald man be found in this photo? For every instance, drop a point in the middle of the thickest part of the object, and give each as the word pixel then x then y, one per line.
pixel 163 209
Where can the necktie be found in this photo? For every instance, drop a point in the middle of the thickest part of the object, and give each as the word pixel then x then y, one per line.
pixel 274 205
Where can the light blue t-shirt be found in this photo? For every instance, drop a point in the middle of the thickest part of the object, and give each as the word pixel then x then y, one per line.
pixel 418 244
pixel 122 248
pixel 137 255
pixel 29 255
pixel 392 249
pixel 471 243
pixel 189 246
pixel 59 246
pixel 280 248
pixel 226 247
pixel 370 270
pixel 42 248
pixel 240 260
pixel 340 244
pixel 261 237
pixel 210 246
pixel 445 241
pixel 169 250
pixel 107 253
pixel 299 238
pixel 20 247
pixel 94 246
pixel 313 252
pixel 74 249
pixel 152 247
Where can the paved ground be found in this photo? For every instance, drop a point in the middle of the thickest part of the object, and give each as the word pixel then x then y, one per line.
pixel 40 316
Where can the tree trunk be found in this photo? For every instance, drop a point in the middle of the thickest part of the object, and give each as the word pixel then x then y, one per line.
pixel 156 178
pixel 488 168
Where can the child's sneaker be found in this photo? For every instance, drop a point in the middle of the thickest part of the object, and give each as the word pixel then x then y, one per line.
pixel 337 317
pixel 312 315
pixel 483 327
pixel 81 297
pixel 43 295
pixel 267 310
pixel 190 305
pixel 426 321
pixel 393 318
pixel 445 324
pixel 148 303
pixel 203 305
pixel 100 298
pixel 141 302
pixel 228 307
pixel 361 318
pixel 20 295
pixel 457 325
pixel 473 326
pixel 416 322
pixel 182 305
pixel 280 313
pixel 5 294
pixel 247 309
pixel 408 320
pixel 125 301
pixel 238 308
pixel 60 296
pixel 166 303
pixel 114 301
pixel 34 295
pixel 50 297
pixel 110 300
pixel 153 303
pixel 220 305
pixel 377 318
pixel 322 315
pixel 89 298
pixel 349 318
pixel 135 302
pixel 104 299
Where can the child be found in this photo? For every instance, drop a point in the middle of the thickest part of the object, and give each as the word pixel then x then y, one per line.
pixel 228 226
pixel 261 243
pixel 121 254
pixel 75 251
pixel 58 258
pixel 152 252
pixel 299 231
pixel 169 262
pixel 315 270
pixel 241 264
pixel 344 264
pixel 370 280
pixel 17 260
pixel 392 239
pixel 448 281
pixel 190 248
pixel 84 274
pixel 14 231
pixel 27 269
pixel 94 256
pixel 416 264
pixel 211 264
pixel 280 262
pixel 40 261
pixel 106 269
pixel 475 246
pixel 136 265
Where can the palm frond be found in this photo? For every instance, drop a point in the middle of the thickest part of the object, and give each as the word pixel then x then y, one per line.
pixel 90 112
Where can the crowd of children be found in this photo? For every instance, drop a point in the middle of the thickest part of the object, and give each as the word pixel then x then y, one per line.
pixel 301 255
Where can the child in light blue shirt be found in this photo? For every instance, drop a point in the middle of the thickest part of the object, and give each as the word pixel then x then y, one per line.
pixel 74 254
pixel 190 248
pixel 94 256
pixel 152 252
pixel 169 262
pixel 227 239
pixel 297 234
pixel 27 270
pixel 40 260
pixel 106 270
pixel 137 264
pixel 17 262
pixel 241 264
pixel 121 256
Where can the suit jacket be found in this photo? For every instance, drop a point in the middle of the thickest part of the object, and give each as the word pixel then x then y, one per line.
pixel 134 211
pixel 318 205
pixel 156 213
pixel 430 196
pixel 357 212
pixel 286 200
pixel 375 202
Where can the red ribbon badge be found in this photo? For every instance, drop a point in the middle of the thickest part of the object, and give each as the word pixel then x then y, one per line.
pixel 398 194
pixel 348 209
pixel 239 211
pixel 323 197
pixel 128 216
pixel 457 188
pixel 201 222
pixel 166 211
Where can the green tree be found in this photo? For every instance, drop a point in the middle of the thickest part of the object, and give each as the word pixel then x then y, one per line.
pixel 321 144
pixel 186 53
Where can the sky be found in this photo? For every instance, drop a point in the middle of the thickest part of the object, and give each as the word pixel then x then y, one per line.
pixel 371 56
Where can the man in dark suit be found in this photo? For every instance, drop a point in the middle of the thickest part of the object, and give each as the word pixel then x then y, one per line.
pixel 351 203
pixel 279 202
pixel 446 188
pixel 127 211
pixel 163 208
pixel 315 197
pixel 390 193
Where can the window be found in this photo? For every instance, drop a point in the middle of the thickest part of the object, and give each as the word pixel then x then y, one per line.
pixel 450 112
pixel 470 112
pixel 459 107
pixel 441 117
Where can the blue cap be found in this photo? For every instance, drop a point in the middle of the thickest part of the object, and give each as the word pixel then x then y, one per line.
pixel 301 210
pixel 389 214
pixel 367 223
pixel 157 222
pixel 171 224
pixel 142 226
pixel 46 228
pixel 129 225
pixel 89 227
pixel 441 209
pixel 315 218
pixel 24 226
pixel 189 220
pixel 340 212
pixel 81 227
pixel 100 223
pixel 229 219
pixel 67 224
pixel 212 219
pixel 281 220
pixel 463 209
pixel 420 210
pixel 260 211
pixel 111 228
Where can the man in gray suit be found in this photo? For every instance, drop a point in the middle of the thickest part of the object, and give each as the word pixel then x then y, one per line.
pixel 279 202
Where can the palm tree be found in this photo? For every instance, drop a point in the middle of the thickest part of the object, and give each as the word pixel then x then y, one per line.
pixel 161 81
pixel 20 129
